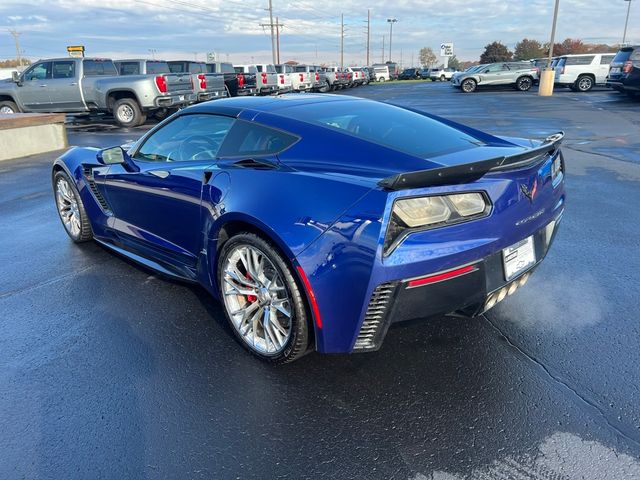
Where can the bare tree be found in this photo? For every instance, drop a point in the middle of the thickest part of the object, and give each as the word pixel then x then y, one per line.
pixel 427 57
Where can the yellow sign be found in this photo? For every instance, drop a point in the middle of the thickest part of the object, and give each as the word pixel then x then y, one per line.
pixel 76 51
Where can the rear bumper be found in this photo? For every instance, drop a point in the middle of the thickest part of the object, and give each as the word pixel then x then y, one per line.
pixel 175 100
pixel 211 95
pixel 467 290
pixel 267 89
pixel 242 91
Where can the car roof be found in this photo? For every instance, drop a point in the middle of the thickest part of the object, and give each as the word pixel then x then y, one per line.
pixel 236 105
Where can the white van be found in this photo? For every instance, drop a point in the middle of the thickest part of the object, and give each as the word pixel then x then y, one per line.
pixel 582 72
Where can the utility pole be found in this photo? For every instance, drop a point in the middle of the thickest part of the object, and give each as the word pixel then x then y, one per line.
pixel 277 41
pixel 626 22
pixel 368 33
pixel 391 22
pixel 382 61
pixel 547 75
pixel 275 36
pixel 341 40
pixel 16 38
pixel 273 40
pixel 153 53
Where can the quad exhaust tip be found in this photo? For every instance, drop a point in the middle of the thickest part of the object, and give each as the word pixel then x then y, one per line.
pixel 505 291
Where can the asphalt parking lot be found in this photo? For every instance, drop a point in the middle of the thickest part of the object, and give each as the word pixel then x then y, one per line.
pixel 108 371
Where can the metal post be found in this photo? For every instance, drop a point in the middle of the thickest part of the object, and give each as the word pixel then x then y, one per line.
pixel 368 33
pixel 626 22
pixel 382 61
pixel 341 40
pixel 273 40
pixel 278 41
pixel 547 76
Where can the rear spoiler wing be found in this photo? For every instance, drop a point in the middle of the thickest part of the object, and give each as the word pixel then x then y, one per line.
pixel 470 171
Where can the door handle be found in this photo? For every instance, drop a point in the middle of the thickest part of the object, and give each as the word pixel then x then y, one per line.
pixel 42 86
pixel 73 84
pixel 160 173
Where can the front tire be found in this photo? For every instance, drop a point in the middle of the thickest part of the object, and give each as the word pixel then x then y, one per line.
pixel 469 85
pixel 524 84
pixel 262 301
pixel 7 107
pixel 127 113
pixel 70 208
pixel 382 79
pixel 442 78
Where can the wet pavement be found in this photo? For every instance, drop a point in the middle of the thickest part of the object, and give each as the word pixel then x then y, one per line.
pixel 108 371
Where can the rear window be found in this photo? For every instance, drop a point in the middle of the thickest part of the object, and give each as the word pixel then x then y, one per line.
pixel 300 69
pixel 157 67
pixel 579 60
pixel 64 69
pixel 129 68
pixel 238 69
pixel 623 55
pixel 197 68
pixel 387 125
pixel 95 68
pixel 226 68
pixel 177 67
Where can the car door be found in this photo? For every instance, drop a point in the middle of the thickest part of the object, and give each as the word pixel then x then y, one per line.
pixel 603 67
pixel 34 88
pixel 492 74
pixel 157 204
pixel 64 90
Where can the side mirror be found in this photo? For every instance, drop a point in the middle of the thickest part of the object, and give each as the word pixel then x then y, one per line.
pixel 486 71
pixel 15 76
pixel 116 156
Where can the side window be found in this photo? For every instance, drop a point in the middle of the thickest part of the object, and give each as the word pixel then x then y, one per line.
pixel 580 60
pixel 95 68
pixel 64 69
pixel 259 67
pixel 129 68
pixel 187 138
pixel 40 71
pixel 251 139
pixel 606 59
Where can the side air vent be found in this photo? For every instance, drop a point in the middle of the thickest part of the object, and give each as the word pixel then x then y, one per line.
pixel 256 164
pixel 373 325
pixel 88 175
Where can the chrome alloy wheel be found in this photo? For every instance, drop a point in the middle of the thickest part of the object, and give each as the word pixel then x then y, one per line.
pixel 68 207
pixel 6 110
pixel 256 300
pixel 585 84
pixel 125 113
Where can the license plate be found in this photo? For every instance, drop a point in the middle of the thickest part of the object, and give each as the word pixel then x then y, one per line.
pixel 519 257
pixel 615 70
pixel 181 98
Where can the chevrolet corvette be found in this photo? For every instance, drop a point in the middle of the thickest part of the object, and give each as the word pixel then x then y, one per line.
pixel 318 221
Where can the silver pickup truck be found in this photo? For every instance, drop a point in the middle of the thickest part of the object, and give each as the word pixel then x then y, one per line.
pixel 266 77
pixel 90 85
pixel 207 86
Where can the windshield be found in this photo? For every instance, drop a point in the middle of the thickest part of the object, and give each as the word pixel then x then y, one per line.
pixel 387 125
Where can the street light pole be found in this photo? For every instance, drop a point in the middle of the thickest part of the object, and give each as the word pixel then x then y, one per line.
pixel 547 76
pixel 391 22
pixel 626 22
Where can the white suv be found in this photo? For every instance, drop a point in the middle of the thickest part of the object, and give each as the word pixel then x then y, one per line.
pixel 582 72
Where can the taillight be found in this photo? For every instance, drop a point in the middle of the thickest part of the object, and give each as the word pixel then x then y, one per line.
pixel 161 83
pixel 301 77
pixel 628 66
pixel 264 78
pixel 240 80
pixel 282 79
pixel 203 81
pixel 317 77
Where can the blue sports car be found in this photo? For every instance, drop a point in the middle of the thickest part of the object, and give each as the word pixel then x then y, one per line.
pixel 318 221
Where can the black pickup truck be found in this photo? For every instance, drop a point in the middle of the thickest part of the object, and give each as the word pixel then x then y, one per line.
pixel 238 84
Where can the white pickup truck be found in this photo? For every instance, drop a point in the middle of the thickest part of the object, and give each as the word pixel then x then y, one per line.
pixel 92 85
pixel 207 86
pixel 266 77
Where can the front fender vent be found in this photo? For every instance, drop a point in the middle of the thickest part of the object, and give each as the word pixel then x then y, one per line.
pixel 374 325
pixel 88 175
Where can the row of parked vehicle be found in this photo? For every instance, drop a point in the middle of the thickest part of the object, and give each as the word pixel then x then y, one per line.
pixel 580 73
pixel 133 89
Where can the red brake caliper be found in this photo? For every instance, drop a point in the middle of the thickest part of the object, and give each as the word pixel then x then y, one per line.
pixel 250 298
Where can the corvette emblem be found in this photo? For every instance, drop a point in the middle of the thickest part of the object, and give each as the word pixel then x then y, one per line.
pixel 529 193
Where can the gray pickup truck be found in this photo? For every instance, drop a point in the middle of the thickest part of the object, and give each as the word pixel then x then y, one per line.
pixel 208 86
pixel 90 85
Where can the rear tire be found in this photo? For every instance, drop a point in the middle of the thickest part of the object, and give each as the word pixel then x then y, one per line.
pixel 442 78
pixel 524 84
pixel 265 306
pixel 584 83
pixel 382 79
pixel 7 107
pixel 70 208
pixel 468 85
pixel 127 113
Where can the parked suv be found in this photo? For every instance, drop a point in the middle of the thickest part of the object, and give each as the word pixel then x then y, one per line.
pixel 442 74
pixel 624 74
pixel 519 74
pixel 409 74
pixel 582 72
